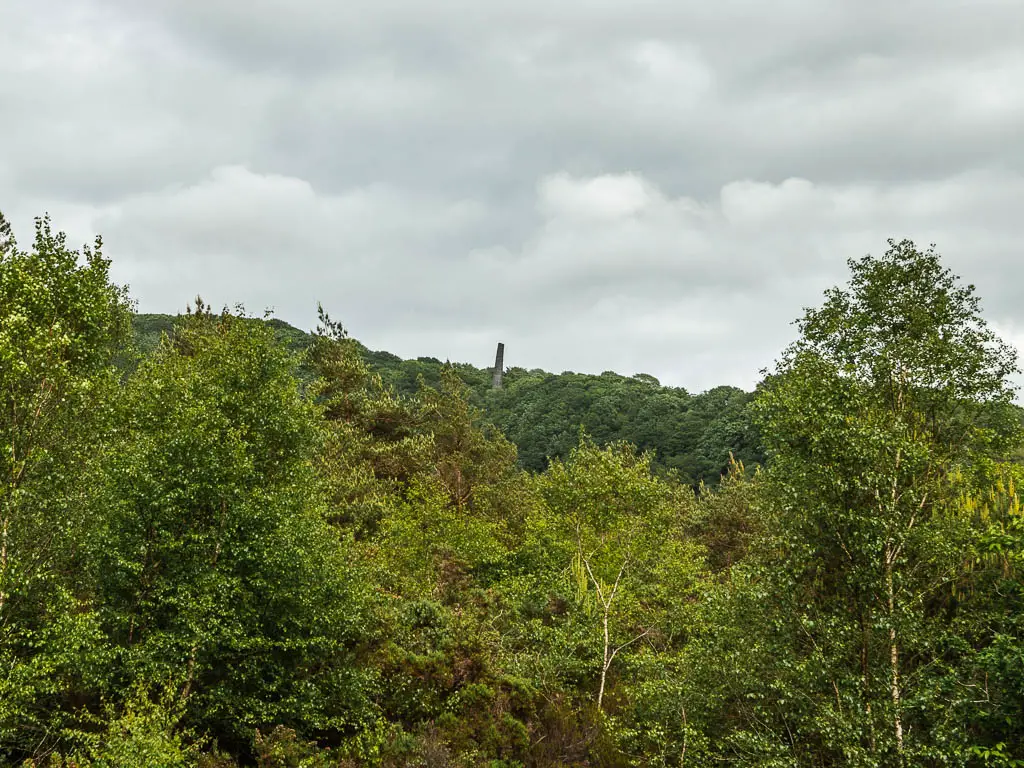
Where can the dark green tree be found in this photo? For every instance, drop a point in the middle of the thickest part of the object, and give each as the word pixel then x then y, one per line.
pixel 218 571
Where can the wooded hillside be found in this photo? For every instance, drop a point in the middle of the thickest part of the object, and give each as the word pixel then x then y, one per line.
pixel 542 413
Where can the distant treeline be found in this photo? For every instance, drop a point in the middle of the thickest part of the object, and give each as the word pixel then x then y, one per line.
pixel 542 413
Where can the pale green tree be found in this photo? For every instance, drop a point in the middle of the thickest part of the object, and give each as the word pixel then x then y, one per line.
pixel 62 323
pixel 620 534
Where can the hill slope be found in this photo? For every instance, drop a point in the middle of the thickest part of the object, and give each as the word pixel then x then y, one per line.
pixel 542 412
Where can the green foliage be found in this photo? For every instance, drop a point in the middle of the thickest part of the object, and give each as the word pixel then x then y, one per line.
pixel 894 397
pixel 620 527
pixel 61 325
pixel 373 445
pixel 249 545
pixel 542 413
pixel 215 563
pixel 146 733
pixel 692 435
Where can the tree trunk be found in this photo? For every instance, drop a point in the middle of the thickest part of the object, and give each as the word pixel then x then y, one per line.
pixel 865 630
pixel 3 561
pixel 894 655
pixel 606 661
pixel 191 672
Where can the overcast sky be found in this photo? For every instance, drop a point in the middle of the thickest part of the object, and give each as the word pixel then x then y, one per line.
pixel 641 186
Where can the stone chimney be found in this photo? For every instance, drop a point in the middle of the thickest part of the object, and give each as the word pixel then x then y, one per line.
pixel 499 366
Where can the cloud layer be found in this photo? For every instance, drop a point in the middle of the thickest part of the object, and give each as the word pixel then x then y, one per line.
pixel 600 185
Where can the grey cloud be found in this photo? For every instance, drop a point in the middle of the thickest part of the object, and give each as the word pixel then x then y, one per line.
pixel 616 273
pixel 651 186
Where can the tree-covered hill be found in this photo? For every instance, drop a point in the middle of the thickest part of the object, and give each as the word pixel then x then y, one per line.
pixel 542 413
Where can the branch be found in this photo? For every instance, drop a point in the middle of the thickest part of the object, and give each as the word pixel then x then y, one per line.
pixel 615 651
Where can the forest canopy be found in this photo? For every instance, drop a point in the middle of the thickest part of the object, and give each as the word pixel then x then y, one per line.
pixel 225 542
pixel 693 436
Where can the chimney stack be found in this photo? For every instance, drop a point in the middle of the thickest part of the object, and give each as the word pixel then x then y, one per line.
pixel 499 365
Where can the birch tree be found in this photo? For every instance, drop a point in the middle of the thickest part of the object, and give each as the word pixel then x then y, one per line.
pixel 896 390
pixel 617 521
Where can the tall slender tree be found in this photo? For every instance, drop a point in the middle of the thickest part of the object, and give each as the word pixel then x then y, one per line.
pixel 895 392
